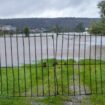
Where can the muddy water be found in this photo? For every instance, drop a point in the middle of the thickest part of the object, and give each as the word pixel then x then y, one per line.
pixel 27 50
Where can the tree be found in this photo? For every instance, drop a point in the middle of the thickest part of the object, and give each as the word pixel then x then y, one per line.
pixel 57 28
pixel 101 6
pixel 17 30
pixel 79 27
pixel 95 28
pixel 26 31
pixel 99 27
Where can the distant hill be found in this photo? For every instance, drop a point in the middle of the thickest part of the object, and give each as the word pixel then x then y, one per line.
pixel 47 23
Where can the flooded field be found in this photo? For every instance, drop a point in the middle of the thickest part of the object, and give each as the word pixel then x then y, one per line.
pixel 25 50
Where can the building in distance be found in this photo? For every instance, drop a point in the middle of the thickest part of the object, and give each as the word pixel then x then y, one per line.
pixel 7 28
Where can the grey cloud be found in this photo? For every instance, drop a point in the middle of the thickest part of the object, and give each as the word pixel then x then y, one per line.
pixel 12 8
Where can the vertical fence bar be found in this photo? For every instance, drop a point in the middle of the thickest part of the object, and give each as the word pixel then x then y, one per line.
pixel 12 65
pixel 42 63
pixel 62 65
pixel 6 62
pixel 55 63
pixel 56 48
pixel 54 54
pixel 18 64
pixel 1 75
pixel 68 80
pixel 79 65
pixel 73 64
pixel 47 42
pixel 30 65
pixel 90 65
pixel 101 72
pixel 36 68
pixel 95 64
pixel 24 64
pixel 85 64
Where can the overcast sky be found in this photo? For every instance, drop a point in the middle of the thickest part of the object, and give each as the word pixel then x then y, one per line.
pixel 48 8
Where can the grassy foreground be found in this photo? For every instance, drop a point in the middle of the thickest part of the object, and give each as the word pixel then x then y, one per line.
pixel 94 79
pixel 21 79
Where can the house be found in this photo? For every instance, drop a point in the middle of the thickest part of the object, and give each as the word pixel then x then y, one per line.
pixel 86 29
pixel 7 28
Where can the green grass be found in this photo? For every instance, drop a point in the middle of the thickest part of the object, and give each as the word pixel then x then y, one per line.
pixel 15 101
pixel 52 100
pixel 30 76
pixel 93 77
pixel 64 79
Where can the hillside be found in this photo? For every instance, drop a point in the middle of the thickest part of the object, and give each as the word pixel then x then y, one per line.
pixel 47 23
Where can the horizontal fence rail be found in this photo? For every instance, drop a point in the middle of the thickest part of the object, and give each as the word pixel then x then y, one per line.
pixel 49 64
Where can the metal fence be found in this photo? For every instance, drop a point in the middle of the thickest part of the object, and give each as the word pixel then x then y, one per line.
pixel 48 64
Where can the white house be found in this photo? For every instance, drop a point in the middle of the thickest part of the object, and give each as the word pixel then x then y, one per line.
pixel 7 28
pixel 86 29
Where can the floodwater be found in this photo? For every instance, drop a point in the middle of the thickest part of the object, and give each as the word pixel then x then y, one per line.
pixel 16 51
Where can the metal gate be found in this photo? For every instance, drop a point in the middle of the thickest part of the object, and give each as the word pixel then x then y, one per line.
pixel 48 64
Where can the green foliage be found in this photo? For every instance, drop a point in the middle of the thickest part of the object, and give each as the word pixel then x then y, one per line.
pixel 101 6
pixel 80 27
pixel 99 27
pixel 17 30
pixel 26 31
pixel 57 28
pixel 1 33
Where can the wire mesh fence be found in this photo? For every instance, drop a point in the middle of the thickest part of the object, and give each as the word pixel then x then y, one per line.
pixel 49 64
